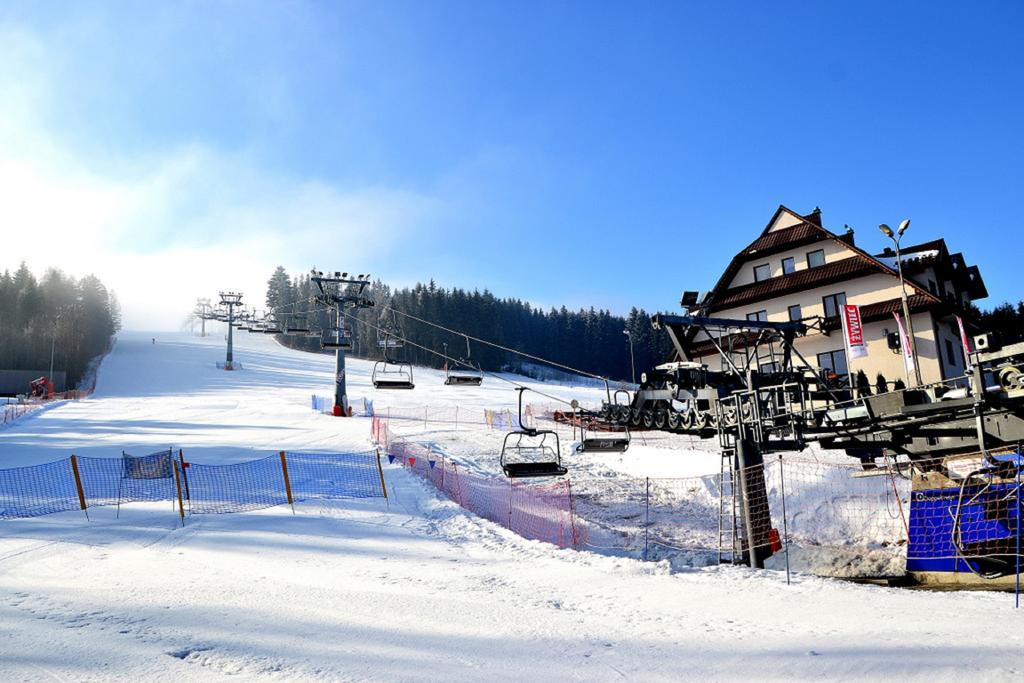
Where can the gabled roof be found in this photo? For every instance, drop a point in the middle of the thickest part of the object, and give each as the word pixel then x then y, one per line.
pixel 807 230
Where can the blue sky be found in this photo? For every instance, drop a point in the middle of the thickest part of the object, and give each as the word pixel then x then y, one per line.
pixel 579 153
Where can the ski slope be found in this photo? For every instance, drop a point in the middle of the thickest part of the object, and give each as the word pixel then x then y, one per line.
pixel 414 589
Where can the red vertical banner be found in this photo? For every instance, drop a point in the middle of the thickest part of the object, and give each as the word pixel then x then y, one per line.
pixel 853 332
pixel 906 343
pixel 965 341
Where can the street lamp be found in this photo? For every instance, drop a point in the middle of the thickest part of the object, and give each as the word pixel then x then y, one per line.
pixel 632 361
pixel 896 237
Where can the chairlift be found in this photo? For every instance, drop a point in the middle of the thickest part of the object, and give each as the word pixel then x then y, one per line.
pixel 391 374
pixel 339 337
pixel 298 324
pixel 465 373
pixel 272 327
pixel 613 439
pixel 389 333
pixel 529 452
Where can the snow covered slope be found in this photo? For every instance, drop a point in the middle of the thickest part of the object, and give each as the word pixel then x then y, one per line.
pixel 413 589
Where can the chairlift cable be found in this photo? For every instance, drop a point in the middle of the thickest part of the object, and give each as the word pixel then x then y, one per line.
pixel 439 354
pixel 503 348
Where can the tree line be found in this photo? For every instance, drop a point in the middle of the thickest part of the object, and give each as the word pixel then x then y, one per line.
pixel 75 318
pixel 591 340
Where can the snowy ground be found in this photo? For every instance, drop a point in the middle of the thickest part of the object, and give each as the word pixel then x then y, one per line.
pixel 412 590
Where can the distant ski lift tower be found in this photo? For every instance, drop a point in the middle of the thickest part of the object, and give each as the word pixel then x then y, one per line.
pixel 341 291
pixel 230 300
pixel 205 311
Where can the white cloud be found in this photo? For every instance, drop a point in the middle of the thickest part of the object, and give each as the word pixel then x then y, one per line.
pixel 166 228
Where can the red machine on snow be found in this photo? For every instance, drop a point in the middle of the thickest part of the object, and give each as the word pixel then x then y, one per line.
pixel 41 387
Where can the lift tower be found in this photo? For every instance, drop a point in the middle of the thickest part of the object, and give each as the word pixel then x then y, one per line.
pixel 205 312
pixel 340 291
pixel 230 300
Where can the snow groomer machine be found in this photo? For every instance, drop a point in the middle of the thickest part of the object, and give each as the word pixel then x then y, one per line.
pixel 745 383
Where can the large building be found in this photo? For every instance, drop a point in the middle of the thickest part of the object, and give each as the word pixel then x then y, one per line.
pixel 798 270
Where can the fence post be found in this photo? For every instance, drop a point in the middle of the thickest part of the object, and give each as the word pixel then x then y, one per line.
pixel 181 505
pixel 1017 586
pixel 184 475
pixel 572 516
pixel 380 471
pixel 424 417
pixel 647 513
pixel 287 482
pixel 509 526
pixel 785 524
pixel 456 418
pixel 78 484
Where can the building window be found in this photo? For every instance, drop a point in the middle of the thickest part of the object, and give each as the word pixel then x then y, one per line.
pixel 769 367
pixel 795 313
pixel 834 365
pixel 815 258
pixel 833 304
pixel 762 272
pixel 951 354
pixel 759 316
pixel 788 265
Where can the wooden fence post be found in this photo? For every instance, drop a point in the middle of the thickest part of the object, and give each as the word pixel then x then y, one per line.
pixel 177 482
pixel 184 473
pixel 287 482
pixel 380 471
pixel 78 484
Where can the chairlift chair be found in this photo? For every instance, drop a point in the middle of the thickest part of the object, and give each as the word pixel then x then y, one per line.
pixel 614 439
pixel 604 442
pixel 298 324
pixel 390 374
pixel 529 452
pixel 466 373
pixel 337 338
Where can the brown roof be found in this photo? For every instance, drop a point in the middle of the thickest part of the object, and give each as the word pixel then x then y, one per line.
pixel 793 282
pixel 884 309
pixel 721 297
pixel 784 239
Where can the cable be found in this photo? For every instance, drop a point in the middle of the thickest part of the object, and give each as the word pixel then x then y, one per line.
pixel 441 355
pixel 504 348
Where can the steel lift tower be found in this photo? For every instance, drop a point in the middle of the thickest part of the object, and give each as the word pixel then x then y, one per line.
pixel 205 312
pixel 340 291
pixel 230 300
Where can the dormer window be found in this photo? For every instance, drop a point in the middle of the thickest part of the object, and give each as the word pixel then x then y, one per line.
pixel 816 258
pixel 762 272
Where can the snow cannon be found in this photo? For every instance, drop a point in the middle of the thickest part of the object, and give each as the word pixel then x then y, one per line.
pixel 41 387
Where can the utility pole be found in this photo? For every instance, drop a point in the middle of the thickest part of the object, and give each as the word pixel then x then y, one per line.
pixel 340 291
pixel 230 300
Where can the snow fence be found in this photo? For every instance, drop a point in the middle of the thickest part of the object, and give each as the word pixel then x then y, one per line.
pixel 82 482
pixel 820 516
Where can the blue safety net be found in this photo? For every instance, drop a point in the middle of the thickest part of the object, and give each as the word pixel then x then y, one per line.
pixel 236 488
pixel 37 490
pixel 334 475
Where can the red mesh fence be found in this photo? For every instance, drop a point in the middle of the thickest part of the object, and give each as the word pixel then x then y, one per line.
pixel 830 518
